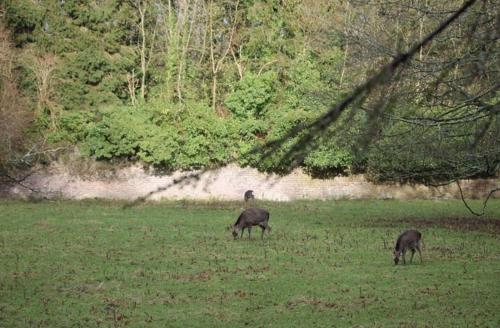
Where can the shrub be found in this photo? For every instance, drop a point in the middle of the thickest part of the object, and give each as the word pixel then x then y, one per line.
pixel 182 137
pixel 251 95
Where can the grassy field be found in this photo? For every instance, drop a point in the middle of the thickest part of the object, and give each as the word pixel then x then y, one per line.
pixel 325 264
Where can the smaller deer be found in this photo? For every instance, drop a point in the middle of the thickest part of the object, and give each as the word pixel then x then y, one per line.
pixel 249 198
pixel 409 239
pixel 248 195
pixel 249 218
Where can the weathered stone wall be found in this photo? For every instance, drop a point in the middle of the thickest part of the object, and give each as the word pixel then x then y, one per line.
pixel 229 183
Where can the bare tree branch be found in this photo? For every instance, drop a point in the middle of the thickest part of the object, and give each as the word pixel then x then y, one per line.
pixel 384 76
pixel 484 203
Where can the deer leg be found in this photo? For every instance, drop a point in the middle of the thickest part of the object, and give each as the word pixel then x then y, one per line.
pixel 249 232
pixel 404 260
pixel 265 227
pixel 412 253
pixel 242 229
pixel 263 230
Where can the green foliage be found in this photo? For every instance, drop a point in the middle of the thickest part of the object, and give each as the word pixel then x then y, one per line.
pixel 251 95
pixel 173 138
pixel 98 48
pixel 94 55
pixel 23 17
pixel 301 101
pixel 435 154
pixel 287 63
pixel 118 133
pixel 204 139
pixel 305 88
pixel 73 127
pixel 328 160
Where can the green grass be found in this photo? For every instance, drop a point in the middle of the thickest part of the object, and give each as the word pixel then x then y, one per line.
pixel 86 264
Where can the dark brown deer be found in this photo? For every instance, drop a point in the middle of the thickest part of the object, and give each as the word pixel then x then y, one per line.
pixel 248 195
pixel 408 240
pixel 249 218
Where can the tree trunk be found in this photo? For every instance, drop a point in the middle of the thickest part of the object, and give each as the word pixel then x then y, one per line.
pixel 143 51
pixel 214 91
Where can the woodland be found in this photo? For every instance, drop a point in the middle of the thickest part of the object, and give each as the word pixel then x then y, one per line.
pixel 196 84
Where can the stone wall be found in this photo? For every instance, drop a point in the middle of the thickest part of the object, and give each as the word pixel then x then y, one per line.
pixel 228 183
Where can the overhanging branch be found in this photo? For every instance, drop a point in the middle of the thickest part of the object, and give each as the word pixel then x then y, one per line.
pixel 384 75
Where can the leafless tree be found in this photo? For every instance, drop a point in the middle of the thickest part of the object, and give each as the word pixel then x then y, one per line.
pixel 44 67
pixel 18 152
pixel 145 10
pixel 220 44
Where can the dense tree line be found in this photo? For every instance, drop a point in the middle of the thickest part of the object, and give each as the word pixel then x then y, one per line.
pixel 186 84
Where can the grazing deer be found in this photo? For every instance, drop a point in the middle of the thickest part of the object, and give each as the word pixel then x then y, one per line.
pixel 249 218
pixel 409 239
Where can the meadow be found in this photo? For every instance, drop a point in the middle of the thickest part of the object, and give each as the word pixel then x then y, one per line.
pixel 174 264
